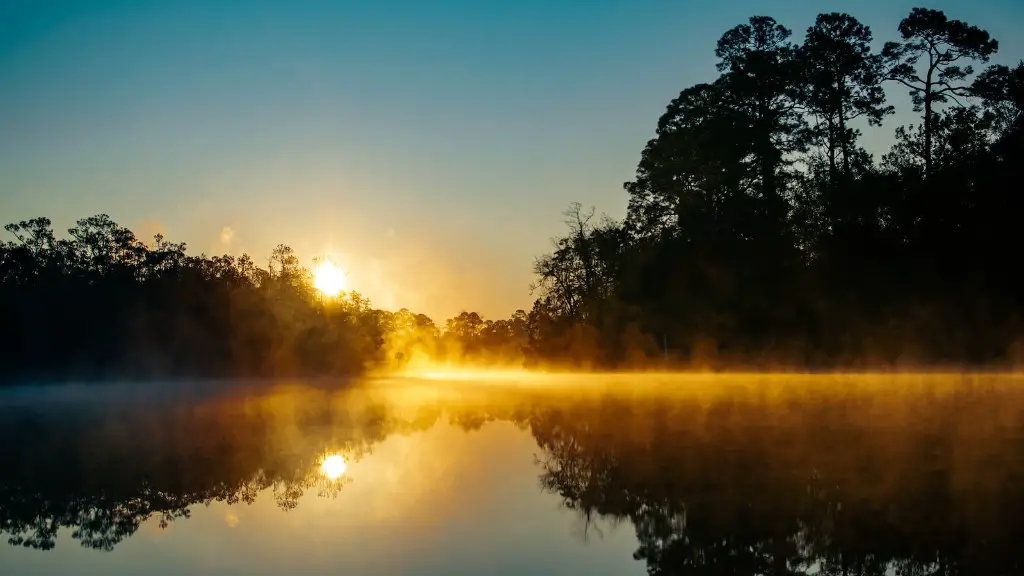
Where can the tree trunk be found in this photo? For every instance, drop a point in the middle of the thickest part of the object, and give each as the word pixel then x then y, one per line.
pixel 767 160
pixel 832 176
pixel 928 122
pixel 843 143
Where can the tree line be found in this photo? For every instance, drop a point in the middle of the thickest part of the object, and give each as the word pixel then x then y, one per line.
pixel 100 304
pixel 759 231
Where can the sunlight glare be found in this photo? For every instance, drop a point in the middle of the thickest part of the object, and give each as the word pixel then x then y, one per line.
pixel 333 466
pixel 329 279
pixel 449 373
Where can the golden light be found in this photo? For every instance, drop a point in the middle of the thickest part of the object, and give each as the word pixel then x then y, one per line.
pixel 333 466
pixel 328 279
pixel 431 371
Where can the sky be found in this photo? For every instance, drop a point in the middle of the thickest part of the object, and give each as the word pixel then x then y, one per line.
pixel 429 147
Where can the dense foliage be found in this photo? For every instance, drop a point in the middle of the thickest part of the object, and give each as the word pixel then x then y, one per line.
pixel 100 303
pixel 759 230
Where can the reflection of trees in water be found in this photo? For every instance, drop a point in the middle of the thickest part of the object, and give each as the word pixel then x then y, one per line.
pixel 835 485
pixel 103 474
pixel 822 482
pixel 101 521
pixel 103 477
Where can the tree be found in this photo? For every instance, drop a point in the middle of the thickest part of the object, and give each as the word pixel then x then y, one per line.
pixel 842 83
pixel 100 303
pixel 582 271
pixel 1001 88
pixel 738 243
pixel 928 62
pixel 696 171
pixel 465 327
pixel 106 247
pixel 284 264
pixel 760 71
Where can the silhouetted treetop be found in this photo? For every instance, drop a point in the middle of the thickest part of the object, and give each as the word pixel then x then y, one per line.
pixel 759 230
pixel 928 62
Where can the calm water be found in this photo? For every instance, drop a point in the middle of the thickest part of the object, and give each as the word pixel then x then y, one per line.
pixel 906 475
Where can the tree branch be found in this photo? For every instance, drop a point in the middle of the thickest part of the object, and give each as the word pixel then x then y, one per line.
pixel 905 83
pixel 962 91
pixel 953 95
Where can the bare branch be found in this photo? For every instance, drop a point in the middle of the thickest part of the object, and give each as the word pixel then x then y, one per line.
pixel 905 83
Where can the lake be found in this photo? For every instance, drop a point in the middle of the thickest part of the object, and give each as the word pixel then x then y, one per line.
pixel 626 474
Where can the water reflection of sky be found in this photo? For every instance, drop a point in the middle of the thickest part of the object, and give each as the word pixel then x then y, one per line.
pixel 442 501
pixel 756 475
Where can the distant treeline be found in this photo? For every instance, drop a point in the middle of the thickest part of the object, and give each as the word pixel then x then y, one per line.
pixel 758 233
pixel 100 304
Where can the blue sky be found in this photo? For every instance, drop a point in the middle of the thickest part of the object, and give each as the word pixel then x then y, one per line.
pixel 428 146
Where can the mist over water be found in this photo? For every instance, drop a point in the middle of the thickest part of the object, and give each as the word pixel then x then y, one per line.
pixel 592 474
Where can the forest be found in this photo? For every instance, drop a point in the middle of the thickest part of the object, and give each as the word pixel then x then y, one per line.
pixel 759 233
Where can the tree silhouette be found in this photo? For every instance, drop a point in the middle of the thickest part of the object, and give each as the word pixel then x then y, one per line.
pixel 101 304
pixel 759 233
pixel 943 43
pixel 843 83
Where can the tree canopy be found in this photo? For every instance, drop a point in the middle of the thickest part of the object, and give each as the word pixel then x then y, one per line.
pixel 760 231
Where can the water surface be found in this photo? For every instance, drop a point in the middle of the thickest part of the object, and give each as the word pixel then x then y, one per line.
pixel 589 475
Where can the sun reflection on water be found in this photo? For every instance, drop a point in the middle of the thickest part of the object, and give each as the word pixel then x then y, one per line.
pixel 333 466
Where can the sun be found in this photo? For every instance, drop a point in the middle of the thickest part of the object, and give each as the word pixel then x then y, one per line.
pixel 329 279
pixel 333 466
